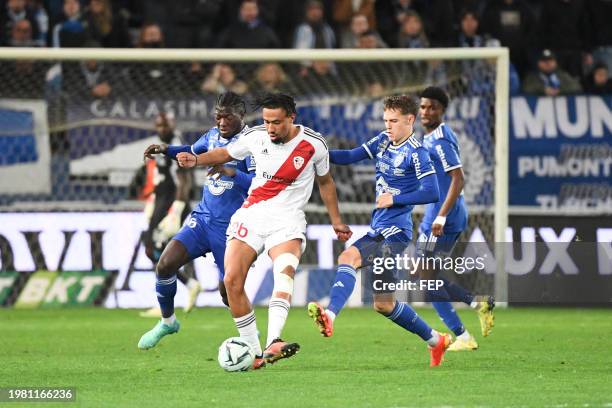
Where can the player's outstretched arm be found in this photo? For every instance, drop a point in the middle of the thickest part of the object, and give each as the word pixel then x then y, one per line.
pixel 348 156
pixel 454 190
pixel 219 155
pixel 327 188
pixel 428 192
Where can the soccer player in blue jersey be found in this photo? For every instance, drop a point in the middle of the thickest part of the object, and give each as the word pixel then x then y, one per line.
pixel 225 190
pixel 405 177
pixel 445 220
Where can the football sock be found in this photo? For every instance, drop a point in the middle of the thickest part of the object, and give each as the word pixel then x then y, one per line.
pixel 247 327
pixel 278 309
pixel 464 336
pixel 331 315
pixel 441 301
pixel 342 288
pixel 458 293
pixel 191 283
pixel 169 320
pixel 404 316
pixel 449 316
pixel 166 289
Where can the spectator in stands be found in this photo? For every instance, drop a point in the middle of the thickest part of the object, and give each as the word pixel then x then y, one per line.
pixel 598 81
pixel 512 22
pixel 468 33
pixel 345 10
pixel 320 79
pixel 71 31
pixel 565 30
pixel 15 11
pixel 389 17
pixel 359 25
pixel 270 77
pixel 21 78
pixel 249 31
pixel 88 79
pixel 549 79
pixel 42 18
pixel 21 34
pixel 601 38
pixel 222 78
pixel 412 33
pixel 105 27
pixel 154 79
pixel 314 32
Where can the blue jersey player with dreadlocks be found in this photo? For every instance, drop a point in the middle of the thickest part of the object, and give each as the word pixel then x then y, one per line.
pixel 405 177
pixel 204 231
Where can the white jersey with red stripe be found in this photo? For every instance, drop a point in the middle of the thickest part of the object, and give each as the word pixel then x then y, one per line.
pixel 284 172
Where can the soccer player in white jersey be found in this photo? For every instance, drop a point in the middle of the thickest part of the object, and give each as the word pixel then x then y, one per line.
pixel 288 158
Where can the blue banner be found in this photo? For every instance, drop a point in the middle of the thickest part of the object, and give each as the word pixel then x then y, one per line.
pixel 561 153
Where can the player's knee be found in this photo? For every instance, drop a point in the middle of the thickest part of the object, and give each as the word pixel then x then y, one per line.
pixel 232 283
pixel 348 257
pixel 165 268
pixel 384 307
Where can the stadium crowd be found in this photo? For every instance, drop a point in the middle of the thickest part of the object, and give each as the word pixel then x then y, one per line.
pixel 556 46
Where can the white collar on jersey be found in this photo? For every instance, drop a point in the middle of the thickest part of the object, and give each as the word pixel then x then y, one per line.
pixel 434 131
pixel 392 146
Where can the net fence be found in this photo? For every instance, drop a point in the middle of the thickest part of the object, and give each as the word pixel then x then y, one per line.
pixel 73 132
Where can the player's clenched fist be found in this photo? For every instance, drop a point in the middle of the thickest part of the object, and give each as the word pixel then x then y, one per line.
pixel 186 159
pixel 385 200
pixel 343 232
pixel 155 149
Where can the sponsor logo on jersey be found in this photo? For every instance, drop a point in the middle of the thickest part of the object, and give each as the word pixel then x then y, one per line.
pixel 442 156
pixel 383 187
pixel 417 163
pixel 264 151
pixel 218 187
pixel 298 162
pixel 399 158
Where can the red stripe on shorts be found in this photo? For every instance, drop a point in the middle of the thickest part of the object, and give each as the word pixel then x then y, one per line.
pixel 286 174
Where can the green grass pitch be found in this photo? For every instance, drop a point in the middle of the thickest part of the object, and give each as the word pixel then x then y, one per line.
pixel 534 358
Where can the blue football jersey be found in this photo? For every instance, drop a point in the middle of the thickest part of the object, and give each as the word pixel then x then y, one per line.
pixel 398 171
pixel 221 196
pixel 443 149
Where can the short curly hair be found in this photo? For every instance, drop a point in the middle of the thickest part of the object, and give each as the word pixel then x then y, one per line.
pixel 437 94
pixel 405 104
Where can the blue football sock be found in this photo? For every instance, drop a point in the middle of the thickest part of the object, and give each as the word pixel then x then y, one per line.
pixel 458 293
pixel 403 315
pixel 441 301
pixel 343 287
pixel 166 289
pixel 449 316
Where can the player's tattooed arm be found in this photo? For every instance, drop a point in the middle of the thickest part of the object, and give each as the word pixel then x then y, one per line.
pixel 327 188
pixel 219 155
pixel 456 186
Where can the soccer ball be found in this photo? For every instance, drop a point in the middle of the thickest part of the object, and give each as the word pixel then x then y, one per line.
pixel 235 354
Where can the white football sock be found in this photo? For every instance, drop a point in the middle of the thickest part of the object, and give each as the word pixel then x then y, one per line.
pixel 191 283
pixel 474 304
pixel 330 314
pixel 278 309
pixel 169 320
pixel 435 337
pixel 247 327
pixel 464 336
